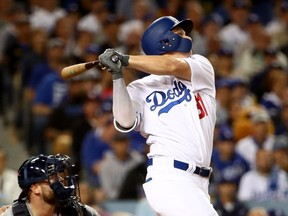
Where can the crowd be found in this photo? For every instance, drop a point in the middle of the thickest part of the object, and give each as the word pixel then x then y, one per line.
pixel 246 42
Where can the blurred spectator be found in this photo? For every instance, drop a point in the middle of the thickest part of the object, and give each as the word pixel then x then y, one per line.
pixel 234 35
pixel 259 84
pixel 235 115
pixel 144 10
pixel 50 93
pixel 264 182
pixel 227 164
pixel 93 21
pixel 96 141
pixel 250 60
pixel 16 44
pixel 64 29
pixel 281 126
pixel 277 28
pixel 46 15
pixel 222 99
pixel 194 11
pixel 132 186
pixel 36 55
pixel 258 55
pixel 224 63
pixel 264 9
pixel 8 12
pixel 272 100
pixel 110 30
pixel 42 95
pixel 54 55
pixel 83 40
pixel 280 152
pixel 91 53
pixel 81 128
pixel 227 203
pixel 5 26
pixel 64 117
pixel 211 25
pixel 116 164
pixel 130 33
pixel 8 180
pixel 260 138
pixel 240 92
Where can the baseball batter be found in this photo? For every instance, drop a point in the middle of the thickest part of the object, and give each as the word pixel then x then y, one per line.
pixel 174 108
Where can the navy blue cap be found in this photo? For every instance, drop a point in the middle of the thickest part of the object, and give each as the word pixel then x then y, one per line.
pixel 106 105
pixel 222 83
pixel 253 18
pixel 225 134
pixel 240 4
pixel 73 7
pixel 214 17
pixel 225 52
pixel 238 82
pixel 93 49
pixel 111 19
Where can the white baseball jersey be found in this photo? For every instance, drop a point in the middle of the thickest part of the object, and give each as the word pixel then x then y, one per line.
pixel 172 110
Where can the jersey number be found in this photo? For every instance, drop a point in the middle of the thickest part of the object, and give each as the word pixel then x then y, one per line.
pixel 201 106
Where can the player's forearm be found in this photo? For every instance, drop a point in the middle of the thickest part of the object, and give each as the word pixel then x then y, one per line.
pixel 160 65
pixel 123 110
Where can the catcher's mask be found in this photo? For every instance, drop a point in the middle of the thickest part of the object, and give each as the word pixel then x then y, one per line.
pixel 57 170
pixel 158 38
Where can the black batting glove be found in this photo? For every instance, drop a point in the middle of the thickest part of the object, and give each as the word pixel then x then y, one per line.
pixel 114 61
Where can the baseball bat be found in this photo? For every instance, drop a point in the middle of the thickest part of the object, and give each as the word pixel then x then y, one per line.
pixel 77 69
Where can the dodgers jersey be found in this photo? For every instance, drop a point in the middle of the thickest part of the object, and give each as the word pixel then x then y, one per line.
pixel 177 116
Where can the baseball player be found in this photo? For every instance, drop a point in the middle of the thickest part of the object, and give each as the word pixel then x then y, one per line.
pixel 49 187
pixel 175 109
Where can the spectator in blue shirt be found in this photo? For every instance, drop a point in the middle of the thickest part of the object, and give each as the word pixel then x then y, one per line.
pixel 227 164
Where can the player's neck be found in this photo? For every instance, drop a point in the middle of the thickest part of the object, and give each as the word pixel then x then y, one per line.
pixel 179 54
pixel 45 209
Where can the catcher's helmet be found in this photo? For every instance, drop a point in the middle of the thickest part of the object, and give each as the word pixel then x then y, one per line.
pixel 32 171
pixel 57 170
pixel 159 39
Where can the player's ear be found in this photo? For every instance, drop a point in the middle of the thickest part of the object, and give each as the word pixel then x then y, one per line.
pixel 36 189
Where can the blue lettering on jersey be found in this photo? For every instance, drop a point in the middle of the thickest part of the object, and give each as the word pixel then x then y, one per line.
pixel 166 99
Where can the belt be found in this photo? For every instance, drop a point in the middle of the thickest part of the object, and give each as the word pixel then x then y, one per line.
pixel 201 171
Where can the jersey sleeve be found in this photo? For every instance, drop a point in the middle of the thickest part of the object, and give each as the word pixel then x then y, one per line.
pixel 134 94
pixel 202 75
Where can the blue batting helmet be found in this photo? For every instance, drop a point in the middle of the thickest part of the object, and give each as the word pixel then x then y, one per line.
pixel 159 39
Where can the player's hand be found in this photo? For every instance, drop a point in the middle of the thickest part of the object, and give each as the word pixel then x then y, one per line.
pixel 114 61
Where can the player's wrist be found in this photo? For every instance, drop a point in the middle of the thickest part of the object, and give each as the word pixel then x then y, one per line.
pixel 117 75
pixel 125 60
